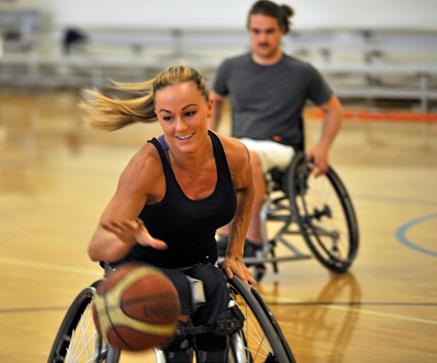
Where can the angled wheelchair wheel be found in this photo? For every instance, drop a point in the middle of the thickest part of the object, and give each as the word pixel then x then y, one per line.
pixel 77 339
pixel 324 213
pixel 260 339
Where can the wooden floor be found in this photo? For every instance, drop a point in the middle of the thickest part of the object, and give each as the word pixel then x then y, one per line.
pixel 56 176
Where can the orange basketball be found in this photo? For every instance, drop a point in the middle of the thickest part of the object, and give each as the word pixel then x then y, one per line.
pixel 136 308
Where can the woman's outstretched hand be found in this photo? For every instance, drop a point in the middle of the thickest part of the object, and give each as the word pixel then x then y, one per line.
pixel 130 230
pixel 234 265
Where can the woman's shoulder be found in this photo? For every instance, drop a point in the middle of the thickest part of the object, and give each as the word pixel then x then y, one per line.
pixel 144 168
pixel 236 152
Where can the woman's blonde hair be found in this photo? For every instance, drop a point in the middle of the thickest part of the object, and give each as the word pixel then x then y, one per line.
pixel 110 113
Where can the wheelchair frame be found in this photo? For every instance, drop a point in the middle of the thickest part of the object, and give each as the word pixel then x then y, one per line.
pixel 289 199
pixel 259 324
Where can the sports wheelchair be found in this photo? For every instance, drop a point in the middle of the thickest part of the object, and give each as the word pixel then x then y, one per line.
pixel 259 340
pixel 317 208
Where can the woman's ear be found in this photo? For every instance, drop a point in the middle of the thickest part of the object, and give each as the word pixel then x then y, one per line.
pixel 210 106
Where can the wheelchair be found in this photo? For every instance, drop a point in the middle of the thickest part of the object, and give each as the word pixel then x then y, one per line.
pixel 319 209
pixel 259 340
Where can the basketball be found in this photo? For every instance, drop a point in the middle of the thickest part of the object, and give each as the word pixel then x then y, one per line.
pixel 136 308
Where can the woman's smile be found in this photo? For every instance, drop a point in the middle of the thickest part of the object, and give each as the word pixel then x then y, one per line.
pixel 185 136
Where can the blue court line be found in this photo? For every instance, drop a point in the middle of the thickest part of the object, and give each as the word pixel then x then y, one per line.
pixel 402 230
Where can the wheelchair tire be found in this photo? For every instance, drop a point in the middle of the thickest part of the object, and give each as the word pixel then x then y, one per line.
pixel 275 324
pixel 259 340
pixel 77 339
pixel 324 213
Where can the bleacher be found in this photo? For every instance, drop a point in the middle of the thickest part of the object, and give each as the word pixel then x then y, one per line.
pixel 359 63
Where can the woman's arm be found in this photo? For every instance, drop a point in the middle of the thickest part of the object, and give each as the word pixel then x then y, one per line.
pixel 239 163
pixel 119 228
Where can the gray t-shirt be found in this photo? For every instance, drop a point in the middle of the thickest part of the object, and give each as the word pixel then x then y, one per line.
pixel 267 101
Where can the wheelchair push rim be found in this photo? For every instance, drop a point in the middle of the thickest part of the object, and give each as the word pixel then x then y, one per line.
pixel 324 213
pixel 262 336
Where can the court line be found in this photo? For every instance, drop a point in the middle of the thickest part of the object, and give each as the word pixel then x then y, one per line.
pixel 333 306
pixel 48 266
pixel 360 311
pixel 359 303
pixel 384 199
pixel 402 231
pixel 33 310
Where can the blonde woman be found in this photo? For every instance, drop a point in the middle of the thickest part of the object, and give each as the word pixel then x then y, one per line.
pixel 174 194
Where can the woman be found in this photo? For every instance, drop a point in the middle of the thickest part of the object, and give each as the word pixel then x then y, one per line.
pixel 173 195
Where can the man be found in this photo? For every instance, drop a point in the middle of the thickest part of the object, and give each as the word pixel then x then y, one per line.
pixel 268 90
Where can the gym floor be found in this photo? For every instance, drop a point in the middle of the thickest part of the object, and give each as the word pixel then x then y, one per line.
pixel 56 175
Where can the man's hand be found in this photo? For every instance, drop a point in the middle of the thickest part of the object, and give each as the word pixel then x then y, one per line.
pixel 319 156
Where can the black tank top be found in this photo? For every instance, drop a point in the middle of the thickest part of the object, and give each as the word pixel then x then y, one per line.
pixel 187 226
